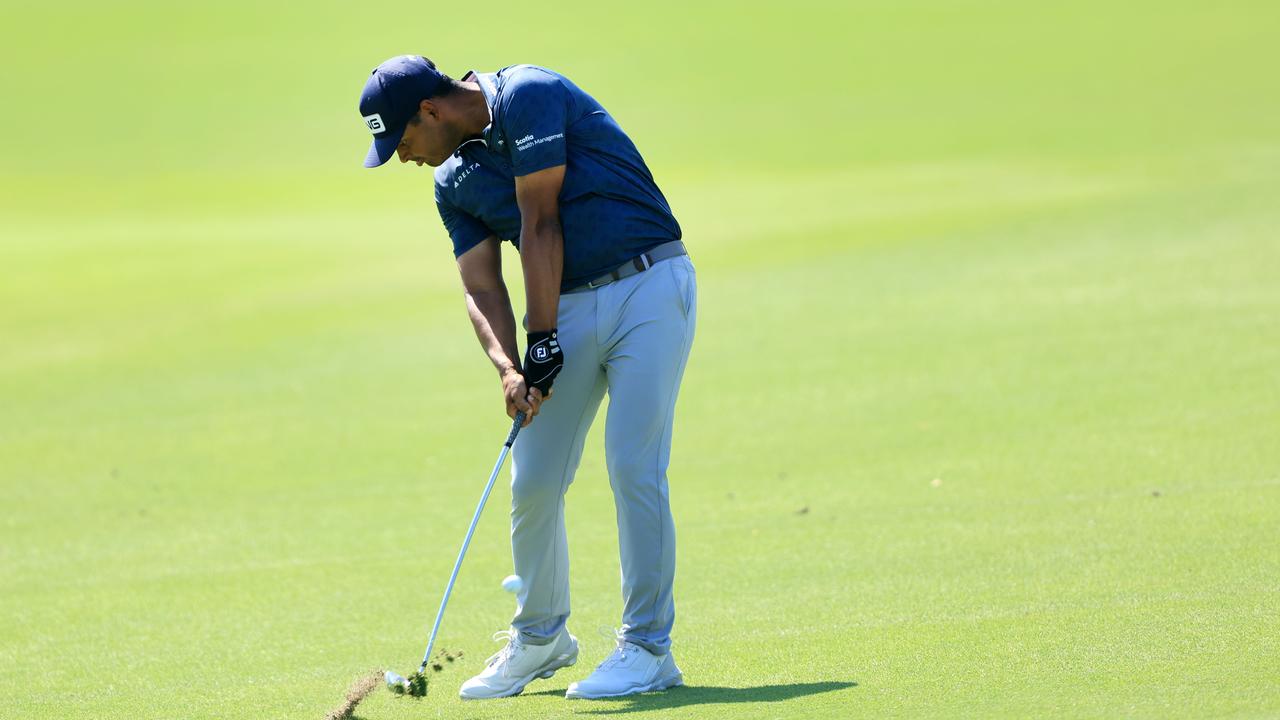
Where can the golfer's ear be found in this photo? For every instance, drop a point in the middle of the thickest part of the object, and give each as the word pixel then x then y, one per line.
pixel 426 109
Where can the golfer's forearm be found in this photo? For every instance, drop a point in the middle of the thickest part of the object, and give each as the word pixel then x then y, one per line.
pixel 542 257
pixel 495 327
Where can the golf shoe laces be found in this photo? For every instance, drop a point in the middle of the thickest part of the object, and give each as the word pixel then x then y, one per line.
pixel 508 651
pixel 619 653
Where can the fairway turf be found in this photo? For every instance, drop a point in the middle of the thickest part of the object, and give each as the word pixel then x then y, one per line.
pixel 982 418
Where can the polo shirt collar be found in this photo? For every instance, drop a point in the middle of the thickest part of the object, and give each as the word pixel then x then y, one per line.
pixel 489 88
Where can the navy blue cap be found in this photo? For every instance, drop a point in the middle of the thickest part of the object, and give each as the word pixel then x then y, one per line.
pixel 391 97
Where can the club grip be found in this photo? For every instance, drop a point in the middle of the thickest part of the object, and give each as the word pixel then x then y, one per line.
pixel 515 428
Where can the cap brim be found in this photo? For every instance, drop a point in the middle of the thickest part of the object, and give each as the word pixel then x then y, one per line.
pixel 382 149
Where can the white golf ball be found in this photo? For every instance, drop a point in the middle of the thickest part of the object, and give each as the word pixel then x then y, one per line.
pixel 512 583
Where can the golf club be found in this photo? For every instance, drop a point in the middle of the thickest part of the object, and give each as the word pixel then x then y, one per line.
pixel 416 684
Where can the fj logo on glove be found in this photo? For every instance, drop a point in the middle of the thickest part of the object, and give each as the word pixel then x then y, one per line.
pixel 543 360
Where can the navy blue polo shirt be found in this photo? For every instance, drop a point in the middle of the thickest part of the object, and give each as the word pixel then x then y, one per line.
pixel 611 210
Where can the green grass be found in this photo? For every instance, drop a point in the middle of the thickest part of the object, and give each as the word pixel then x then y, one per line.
pixel 983 417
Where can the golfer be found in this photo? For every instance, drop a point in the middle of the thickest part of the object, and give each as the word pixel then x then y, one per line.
pixel 525 155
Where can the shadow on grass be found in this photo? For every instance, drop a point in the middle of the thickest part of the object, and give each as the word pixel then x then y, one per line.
pixel 693 695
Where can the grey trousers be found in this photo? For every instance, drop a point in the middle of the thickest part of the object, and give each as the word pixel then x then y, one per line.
pixel 631 338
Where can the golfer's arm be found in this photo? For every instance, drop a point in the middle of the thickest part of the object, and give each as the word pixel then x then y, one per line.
pixel 488 303
pixel 541 244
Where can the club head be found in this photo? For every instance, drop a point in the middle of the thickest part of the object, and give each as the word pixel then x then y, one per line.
pixel 396 683
pixel 415 685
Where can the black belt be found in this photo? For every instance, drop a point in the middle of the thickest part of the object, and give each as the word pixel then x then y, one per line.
pixel 635 265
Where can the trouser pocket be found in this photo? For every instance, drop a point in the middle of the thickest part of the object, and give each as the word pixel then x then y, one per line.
pixel 685 280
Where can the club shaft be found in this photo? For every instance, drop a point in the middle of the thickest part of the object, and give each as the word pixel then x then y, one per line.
pixel 475 520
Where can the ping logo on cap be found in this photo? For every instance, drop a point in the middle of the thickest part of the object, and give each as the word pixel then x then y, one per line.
pixel 375 123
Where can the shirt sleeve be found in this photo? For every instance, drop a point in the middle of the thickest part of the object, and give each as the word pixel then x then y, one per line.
pixel 535 118
pixel 464 229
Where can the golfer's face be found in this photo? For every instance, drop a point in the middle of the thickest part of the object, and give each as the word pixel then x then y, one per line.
pixel 424 142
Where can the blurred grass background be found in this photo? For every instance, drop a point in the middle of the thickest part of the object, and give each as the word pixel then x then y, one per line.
pixel 981 420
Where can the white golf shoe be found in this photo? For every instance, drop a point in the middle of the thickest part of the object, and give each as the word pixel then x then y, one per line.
pixel 628 670
pixel 516 665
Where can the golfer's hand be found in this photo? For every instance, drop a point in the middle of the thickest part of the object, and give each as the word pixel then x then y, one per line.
pixel 519 397
pixel 543 360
